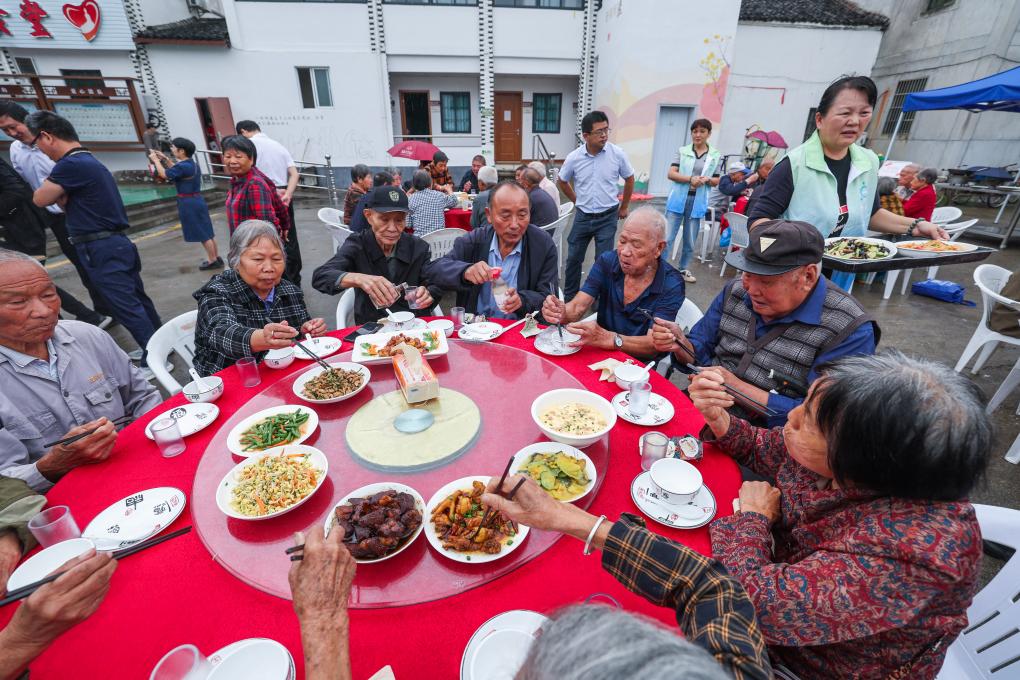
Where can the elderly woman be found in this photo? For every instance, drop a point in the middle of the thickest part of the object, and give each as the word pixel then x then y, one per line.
pixel 427 205
pixel 249 309
pixel 184 172
pixel 863 557
pixel 887 197
pixel 921 203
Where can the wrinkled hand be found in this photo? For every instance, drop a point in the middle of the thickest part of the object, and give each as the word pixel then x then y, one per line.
pixel 931 230
pixel 553 310
pixel 664 335
pixel 380 290
pixel 314 327
pixel 467 186
pixel 761 497
pixel 709 397
pixel 10 554
pixel 277 335
pixel 532 506
pixel 423 298
pixel 513 302
pixel 321 582
pixel 94 448
pixel 752 178
pixel 479 273
pixel 591 334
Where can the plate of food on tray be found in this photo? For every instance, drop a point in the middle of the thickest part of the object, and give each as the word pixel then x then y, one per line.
pixel 859 249
pixel 272 427
pixel 271 483
pixel 453 524
pixel 929 248
pixel 342 381
pixel 379 348
pixel 566 473
pixel 380 520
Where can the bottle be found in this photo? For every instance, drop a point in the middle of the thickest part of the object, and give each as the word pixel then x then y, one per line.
pixel 500 289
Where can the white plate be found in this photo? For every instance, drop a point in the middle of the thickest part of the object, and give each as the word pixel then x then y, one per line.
pixel 548 342
pixel 46 561
pixel 230 480
pixel 360 356
pixel 191 418
pixel 480 332
pixel 478 662
pixel 315 370
pixel 697 513
pixel 888 245
pixel 234 438
pixel 322 346
pixel 521 458
pixel 907 252
pixel 369 490
pixel 660 410
pixel 253 658
pixel 467 558
pixel 136 517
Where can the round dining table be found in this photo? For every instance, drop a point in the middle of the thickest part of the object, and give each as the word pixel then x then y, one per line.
pixel 181 592
pixel 458 218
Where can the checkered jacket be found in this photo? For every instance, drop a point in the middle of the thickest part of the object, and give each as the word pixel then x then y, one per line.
pixel 229 313
pixel 426 210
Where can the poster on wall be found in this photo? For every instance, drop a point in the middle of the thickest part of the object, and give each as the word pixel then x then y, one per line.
pixel 62 25
pixel 100 122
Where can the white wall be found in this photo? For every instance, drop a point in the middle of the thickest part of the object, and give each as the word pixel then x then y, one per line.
pixel 811 58
pixel 537 34
pixel 156 12
pixel 431 30
pixel 291 27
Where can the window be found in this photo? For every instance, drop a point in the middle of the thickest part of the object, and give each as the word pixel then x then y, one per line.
pixel 431 2
pixel 545 111
pixel 25 65
pixel 937 5
pixel 542 4
pixel 314 84
pixel 903 88
pixel 82 82
pixel 810 127
pixel 455 112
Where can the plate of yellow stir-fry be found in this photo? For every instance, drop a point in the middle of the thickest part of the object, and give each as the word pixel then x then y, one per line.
pixel 272 483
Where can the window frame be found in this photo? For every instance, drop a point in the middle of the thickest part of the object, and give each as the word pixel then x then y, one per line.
pixel 534 110
pixel 314 85
pixel 903 88
pixel 434 3
pixel 936 6
pixel 520 4
pixel 443 128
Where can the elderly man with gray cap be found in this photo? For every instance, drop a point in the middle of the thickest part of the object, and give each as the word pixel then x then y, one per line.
pixel 770 329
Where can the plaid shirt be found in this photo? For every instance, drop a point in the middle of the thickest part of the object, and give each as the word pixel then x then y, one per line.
pixel 712 609
pixel 254 197
pixel 439 179
pixel 426 210
pixel 229 313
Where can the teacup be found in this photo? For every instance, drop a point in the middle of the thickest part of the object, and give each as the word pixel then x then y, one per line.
pixel 626 374
pixel 676 482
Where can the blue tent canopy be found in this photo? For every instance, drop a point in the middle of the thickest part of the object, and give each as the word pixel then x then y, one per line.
pixel 999 92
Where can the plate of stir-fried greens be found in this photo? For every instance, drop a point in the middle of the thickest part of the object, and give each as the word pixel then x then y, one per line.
pixel 272 427
pixel 859 249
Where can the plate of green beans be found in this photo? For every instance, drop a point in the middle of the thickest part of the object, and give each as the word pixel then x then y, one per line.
pixel 272 427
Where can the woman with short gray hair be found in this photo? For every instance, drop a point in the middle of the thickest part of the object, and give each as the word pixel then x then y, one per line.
pixel 921 203
pixel 250 308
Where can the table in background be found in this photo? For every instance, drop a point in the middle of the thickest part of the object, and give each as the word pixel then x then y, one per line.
pixel 899 262
pixel 458 218
pixel 1008 193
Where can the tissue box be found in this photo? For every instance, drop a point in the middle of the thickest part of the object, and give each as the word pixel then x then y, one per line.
pixel 417 380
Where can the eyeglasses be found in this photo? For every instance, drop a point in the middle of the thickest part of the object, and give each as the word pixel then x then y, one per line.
pixel 34 140
pixel 603 132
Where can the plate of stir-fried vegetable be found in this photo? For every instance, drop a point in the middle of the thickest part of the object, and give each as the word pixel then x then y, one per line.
pixel 272 427
pixel 342 381
pixel 272 483
pixel 859 249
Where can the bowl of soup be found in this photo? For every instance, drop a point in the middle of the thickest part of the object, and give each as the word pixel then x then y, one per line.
pixel 571 416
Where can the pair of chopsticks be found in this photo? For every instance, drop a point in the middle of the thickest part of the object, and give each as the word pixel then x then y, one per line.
pixel 754 404
pixel 559 326
pixel 313 355
pixel 499 491
pixel 81 435
pixel 24 591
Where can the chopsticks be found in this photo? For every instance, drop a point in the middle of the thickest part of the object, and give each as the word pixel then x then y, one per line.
pixel 499 490
pixel 24 591
pixel 559 326
pixel 81 435
pixel 313 355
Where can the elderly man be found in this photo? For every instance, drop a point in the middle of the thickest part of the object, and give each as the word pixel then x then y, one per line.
pixel 764 168
pixel 772 328
pixel 737 179
pixel 906 178
pixel 525 254
pixel 439 171
pixel 428 206
pixel 487 178
pixel 544 211
pixel 469 182
pixel 376 261
pixel 625 281
pixel 358 222
pixel 60 378
pixel 547 185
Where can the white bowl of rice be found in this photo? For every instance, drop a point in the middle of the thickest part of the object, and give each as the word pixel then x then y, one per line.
pixel 571 416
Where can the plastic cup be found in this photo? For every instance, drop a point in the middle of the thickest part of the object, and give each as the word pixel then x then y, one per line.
pixel 53 525
pixel 182 663
pixel 640 394
pixel 653 447
pixel 249 371
pixel 411 296
pixel 457 314
pixel 168 437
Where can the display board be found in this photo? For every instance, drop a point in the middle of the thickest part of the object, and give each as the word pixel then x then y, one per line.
pixel 99 121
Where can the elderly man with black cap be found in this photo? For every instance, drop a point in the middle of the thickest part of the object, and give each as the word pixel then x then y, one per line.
pixel 771 329
pixel 377 260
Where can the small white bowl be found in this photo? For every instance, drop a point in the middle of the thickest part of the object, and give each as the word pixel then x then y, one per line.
pixel 281 357
pixel 398 318
pixel 626 374
pixel 676 481
pixel 444 325
pixel 570 396
pixel 195 395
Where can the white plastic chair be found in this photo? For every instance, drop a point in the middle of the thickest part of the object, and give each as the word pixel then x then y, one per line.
pixel 987 648
pixel 709 233
pixel 688 315
pixel 566 208
pixel 441 241
pixel 334 221
pixel 946 214
pixel 345 310
pixel 176 335
pixel 955 231
pixel 739 238
pixel 556 229
pixel 990 279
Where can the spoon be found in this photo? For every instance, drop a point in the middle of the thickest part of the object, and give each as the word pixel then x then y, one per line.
pixel 688 511
pixel 202 384
pixel 389 315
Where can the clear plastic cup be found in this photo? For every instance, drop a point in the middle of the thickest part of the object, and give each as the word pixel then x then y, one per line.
pixel 411 296
pixel 248 369
pixel 457 315
pixel 168 437
pixel 53 525
pixel 640 394
pixel 182 663
pixel 654 446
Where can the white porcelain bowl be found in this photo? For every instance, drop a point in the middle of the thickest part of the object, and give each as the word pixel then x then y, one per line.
pixel 398 318
pixel 195 395
pixel 626 374
pixel 444 325
pixel 573 396
pixel 279 358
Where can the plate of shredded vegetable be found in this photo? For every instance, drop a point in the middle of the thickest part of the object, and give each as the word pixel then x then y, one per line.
pixel 272 427
pixel 342 381
pixel 272 483
pixel 928 248
pixel 859 249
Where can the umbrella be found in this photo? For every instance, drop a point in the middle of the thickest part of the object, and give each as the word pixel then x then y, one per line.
pixel 772 138
pixel 414 150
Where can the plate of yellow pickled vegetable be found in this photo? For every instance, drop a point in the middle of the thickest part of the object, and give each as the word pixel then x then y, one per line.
pixel 563 471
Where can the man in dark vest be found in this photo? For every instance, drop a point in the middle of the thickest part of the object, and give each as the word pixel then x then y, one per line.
pixel 771 328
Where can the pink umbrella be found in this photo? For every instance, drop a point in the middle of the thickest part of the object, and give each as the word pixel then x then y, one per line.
pixel 414 150
pixel 772 138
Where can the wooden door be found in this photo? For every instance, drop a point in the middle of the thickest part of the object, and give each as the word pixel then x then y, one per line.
pixel 508 127
pixel 221 116
pixel 670 134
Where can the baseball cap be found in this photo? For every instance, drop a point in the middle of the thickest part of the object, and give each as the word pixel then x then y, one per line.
pixel 387 199
pixel 778 246
pixel 736 166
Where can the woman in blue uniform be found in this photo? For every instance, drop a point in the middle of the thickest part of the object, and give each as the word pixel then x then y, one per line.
pixel 184 172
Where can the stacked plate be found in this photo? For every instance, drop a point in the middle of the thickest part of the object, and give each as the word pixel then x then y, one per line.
pixel 135 518
pixel 252 658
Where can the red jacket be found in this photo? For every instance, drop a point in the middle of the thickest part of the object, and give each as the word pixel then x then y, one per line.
pixel 921 203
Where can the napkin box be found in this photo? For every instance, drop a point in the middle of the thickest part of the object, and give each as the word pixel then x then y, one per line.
pixel 418 382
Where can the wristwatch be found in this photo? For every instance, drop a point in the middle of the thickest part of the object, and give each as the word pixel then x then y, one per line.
pixel 617 340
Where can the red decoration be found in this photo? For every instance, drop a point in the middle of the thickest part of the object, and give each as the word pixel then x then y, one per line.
pixel 85 17
pixel 3 22
pixel 34 14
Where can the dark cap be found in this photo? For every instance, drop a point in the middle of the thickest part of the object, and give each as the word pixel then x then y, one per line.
pixel 779 246
pixel 387 199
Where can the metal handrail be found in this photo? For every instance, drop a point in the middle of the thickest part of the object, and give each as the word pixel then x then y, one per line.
pixel 211 166
pixel 547 157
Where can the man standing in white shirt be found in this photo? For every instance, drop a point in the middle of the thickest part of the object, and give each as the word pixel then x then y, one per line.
pixel 273 159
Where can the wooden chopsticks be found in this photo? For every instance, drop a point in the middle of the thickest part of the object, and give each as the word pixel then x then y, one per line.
pixel 81 435
pixel 313 355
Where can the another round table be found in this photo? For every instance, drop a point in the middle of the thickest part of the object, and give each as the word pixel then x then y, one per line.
pixel 177 593
pixel 458 218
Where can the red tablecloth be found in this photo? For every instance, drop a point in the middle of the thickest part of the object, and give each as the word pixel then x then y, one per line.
pixel 457 218
pixel 176 593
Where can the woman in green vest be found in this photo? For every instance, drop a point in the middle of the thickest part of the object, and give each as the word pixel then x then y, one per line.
pixel 830 181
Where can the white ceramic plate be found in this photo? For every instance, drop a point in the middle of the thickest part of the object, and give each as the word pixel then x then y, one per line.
pixel 253 658
pixel 467 558
pixel 500 645
pixel 361 356
pixel 697 513
pixel 889 246
pixel 136 517
pixel 46 561
pixel 369 490
pixel 234 437
pixel 521 459
pixel 482 331
pixel 660 410
pixel 322 346
pixel 315 370
pixel 191 418
pixel 224 490
pixel 907 251
pixel 548 342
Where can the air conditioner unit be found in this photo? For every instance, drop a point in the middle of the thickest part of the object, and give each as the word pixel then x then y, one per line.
pixel 202 6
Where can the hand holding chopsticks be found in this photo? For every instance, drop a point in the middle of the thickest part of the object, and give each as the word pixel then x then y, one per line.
pixel 313 355
pixel 123 420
